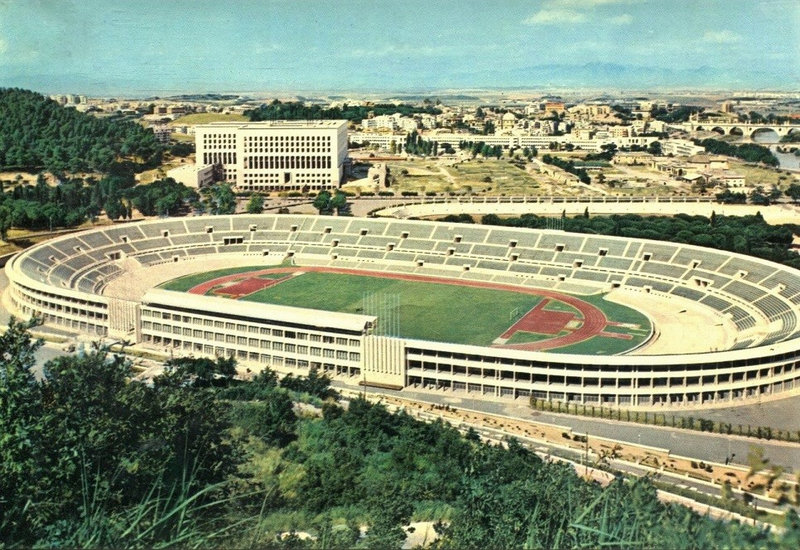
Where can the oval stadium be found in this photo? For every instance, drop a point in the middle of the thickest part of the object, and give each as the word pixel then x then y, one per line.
pixel 498 312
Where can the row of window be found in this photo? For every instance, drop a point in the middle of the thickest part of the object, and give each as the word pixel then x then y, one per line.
pixel 266 186
pixel 286 139
pixel 288 149
pixel 224 157
pixel 264 358
pixel 287 162
pixel 241 328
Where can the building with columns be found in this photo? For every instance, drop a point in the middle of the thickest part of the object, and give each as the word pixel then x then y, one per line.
pixel 275 155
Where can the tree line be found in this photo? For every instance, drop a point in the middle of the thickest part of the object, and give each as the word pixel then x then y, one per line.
pixel 481 148
pixel 568 166
pixel 743 234
pixel 90 457
pixel 750 152
pixel 76 200
pixel 296 110
pixel 415 145
pixel 38 133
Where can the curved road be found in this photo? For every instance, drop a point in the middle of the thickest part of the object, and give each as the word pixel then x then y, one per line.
pixel 699 445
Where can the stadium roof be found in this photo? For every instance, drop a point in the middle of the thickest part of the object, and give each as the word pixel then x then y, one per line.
pixel 311 318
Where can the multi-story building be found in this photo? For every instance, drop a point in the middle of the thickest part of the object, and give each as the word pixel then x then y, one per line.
pixel 162 133
pixel 276 155
pixel 391 122
pixel 681 147
pixel 381 140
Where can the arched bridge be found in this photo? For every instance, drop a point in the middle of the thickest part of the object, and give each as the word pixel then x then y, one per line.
pixel 740 128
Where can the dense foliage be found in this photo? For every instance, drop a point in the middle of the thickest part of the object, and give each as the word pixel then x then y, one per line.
pixel 567 166
pixel 91 458
pixel 751 152
pixel 163 198
pixel 327 203
pixel 38 133
pixel 679 114
pixel 743 234
pixel 73 201
pixel 83 446
pixel 296 110
pixel 482 148
pixel 415 145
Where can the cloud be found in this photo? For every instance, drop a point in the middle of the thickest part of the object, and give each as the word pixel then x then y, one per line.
pixel 395 50
pixel 591 3
pixel 721 37
pixel 555 17
pixel 561 12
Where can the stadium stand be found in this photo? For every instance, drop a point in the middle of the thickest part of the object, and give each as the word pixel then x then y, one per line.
pixel 62 281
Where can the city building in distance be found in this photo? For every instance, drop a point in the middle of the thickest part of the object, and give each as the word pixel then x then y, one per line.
pixel 275 155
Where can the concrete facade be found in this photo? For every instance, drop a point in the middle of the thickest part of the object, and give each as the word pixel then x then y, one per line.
pixel 280 155
pixel 62 281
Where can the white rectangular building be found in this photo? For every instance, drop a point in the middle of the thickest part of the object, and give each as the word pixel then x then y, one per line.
pixel 275 155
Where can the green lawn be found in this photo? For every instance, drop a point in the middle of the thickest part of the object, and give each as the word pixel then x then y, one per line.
pixel 495 177
pixel 428 311
pixel 555 305
pixel 432 311
pixel 205 118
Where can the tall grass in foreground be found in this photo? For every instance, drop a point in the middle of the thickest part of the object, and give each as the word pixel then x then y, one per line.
pixel 180 514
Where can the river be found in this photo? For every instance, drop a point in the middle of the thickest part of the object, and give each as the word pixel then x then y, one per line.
pixel 788 161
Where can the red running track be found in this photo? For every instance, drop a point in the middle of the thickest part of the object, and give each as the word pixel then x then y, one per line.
pixel 594 320
pixel 541 321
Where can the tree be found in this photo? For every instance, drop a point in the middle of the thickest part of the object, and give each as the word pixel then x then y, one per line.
pixel 162 197
pixel 256 204
pixel 322 202
pixel 339 202
pixel 793 192
pixel 220 199
pixel 84 446
pixel 20 402
pixel 114 208
pixel 655 149
pixel 182 149
pixel 201 373
pixel 5 221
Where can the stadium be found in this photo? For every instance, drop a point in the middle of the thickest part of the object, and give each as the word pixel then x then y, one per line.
pixel 497 312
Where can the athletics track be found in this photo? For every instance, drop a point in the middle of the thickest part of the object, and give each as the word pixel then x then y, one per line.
pixel 593 323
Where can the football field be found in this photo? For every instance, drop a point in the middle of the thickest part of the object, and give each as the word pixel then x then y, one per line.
pixel 444 310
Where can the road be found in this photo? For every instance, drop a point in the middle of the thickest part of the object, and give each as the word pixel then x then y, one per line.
pixel 580 460
pixel 698 445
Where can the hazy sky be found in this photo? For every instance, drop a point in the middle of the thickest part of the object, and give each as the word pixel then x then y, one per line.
pixel 168 46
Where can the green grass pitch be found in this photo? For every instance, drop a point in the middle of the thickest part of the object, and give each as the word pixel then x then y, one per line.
pixel 428 311
pixel 433 311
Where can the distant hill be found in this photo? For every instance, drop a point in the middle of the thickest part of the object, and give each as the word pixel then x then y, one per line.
pixel 36 133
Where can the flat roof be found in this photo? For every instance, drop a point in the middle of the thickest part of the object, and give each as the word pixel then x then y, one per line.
pixel 259 311
pixel 277 124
